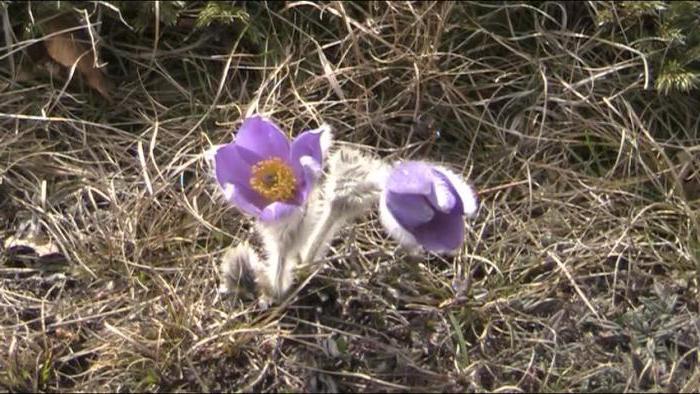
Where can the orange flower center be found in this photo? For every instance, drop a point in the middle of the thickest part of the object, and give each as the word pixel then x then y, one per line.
pixel 273 179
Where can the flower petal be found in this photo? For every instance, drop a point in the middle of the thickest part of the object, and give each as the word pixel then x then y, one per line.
pixel 444 233
pixel 263 137
pixel 470 200
pixel 313 166
pixel 410 210
pixel 308 171
pixel 244 199
pixel 277 211
pixel 233 164
pixel 411 177
pixel 210 156
pixel 443 196
pixel 307 154
pixel 308 144
pixel 393 228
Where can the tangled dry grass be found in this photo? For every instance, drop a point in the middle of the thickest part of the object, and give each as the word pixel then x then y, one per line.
pixel 580 272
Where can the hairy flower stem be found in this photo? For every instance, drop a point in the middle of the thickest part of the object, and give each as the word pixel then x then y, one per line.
pixel 352 188
pixel 334 216
pixel 281 244
pixel 327 225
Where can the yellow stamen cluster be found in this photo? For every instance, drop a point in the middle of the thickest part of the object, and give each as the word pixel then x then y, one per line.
pixel 273 179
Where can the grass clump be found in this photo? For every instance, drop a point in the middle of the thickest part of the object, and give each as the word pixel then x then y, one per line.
pixel 666 32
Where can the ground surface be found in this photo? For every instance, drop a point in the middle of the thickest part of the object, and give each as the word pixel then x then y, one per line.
pixel 580 272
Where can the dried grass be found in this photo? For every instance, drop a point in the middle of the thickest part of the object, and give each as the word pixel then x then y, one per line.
pixel 579 274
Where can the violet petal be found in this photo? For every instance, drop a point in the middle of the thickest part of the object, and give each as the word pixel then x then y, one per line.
pixel 394 228
pixel 444 233
pixel 233 164
pixel 277 211
pixel 410 210
pixel 245 199
pixel 307 172
pixel 262 136
pixel 443 196
pixel 307 143
pixel 411 177
pixel 467 195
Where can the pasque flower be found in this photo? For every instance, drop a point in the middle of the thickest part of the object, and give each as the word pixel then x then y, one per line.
pixel 424 204
pixel 263 174
pixel 352 186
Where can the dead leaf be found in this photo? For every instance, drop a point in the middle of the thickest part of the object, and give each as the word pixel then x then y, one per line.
pixel 66 50
pixel 689 174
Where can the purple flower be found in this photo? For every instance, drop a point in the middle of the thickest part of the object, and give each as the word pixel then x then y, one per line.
pixel 423 205
pixel 263 175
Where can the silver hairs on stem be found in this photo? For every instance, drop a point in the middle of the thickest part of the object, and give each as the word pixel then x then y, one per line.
pixel 352 187
pixel 240 268
pixel 281 245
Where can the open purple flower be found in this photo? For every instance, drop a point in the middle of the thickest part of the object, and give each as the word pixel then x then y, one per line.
pixel 265 176
pixel 423 205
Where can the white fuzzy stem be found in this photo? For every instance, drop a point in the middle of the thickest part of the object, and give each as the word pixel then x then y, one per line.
pixel 352 188
pixel 281 247
pixel 328 224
